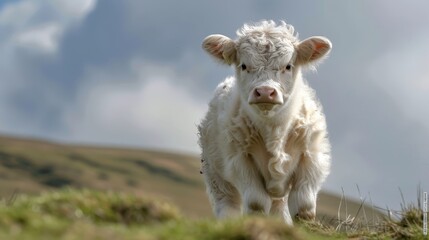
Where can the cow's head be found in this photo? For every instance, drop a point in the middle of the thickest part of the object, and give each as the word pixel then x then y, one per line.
pixel 267 59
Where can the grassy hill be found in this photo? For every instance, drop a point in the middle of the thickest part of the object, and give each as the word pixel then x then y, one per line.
pixel 131 194
pixel 34 166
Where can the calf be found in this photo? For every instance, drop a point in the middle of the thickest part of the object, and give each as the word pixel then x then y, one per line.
pixel 264 138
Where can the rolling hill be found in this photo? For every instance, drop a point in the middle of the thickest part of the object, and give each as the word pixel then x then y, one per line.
pixel 35 166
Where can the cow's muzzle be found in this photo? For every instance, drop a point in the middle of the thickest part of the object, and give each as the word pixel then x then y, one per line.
pixel 265 95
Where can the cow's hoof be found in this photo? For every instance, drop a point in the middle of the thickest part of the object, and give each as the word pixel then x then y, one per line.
pixel 306 214
pixel 255 208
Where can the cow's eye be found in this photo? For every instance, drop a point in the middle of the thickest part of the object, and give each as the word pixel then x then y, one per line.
pixel 243 67
pixel 286 68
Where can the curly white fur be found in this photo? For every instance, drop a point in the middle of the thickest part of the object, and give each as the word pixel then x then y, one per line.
pixel 265 157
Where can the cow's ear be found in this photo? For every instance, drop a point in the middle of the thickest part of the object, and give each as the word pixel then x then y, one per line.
pixel 221 48
pixel 312 49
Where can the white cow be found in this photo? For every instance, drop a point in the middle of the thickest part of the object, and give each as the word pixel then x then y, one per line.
pixel 264 139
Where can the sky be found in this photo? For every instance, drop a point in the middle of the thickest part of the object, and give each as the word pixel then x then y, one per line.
pixel 132 73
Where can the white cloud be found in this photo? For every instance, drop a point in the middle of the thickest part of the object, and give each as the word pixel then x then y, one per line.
pixel 145 105
pixel 39 25
pixel 42 39
pixel 17 14
pixel 34 27
pixel 142 105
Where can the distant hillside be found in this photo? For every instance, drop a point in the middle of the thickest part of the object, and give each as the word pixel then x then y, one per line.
pixel 33 166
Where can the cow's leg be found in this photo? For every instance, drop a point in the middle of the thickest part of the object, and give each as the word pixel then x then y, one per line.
pixel 308 178
pixel 280 207
pixel 224 198
pixel 248 181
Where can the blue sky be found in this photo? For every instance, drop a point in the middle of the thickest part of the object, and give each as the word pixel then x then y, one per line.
pixel 132 73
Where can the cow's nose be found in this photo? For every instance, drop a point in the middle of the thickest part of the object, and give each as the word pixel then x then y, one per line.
pixel 265 95
pixel 265 92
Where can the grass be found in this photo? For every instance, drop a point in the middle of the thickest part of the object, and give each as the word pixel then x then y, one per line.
pixel 55 214
pixel 88 214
